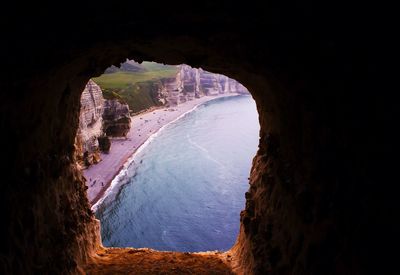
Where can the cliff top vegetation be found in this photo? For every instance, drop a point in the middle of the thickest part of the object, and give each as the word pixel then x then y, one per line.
pixel 134 83
pixel 122 78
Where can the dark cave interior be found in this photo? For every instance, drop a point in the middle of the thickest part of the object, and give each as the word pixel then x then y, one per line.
pixel 321 198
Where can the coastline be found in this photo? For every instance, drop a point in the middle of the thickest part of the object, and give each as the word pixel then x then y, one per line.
pixel 144 127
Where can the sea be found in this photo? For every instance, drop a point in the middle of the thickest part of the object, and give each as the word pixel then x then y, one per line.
pixel 185 188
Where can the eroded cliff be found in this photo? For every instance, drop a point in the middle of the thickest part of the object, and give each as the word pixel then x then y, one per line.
pixel 99 119
pixel 116 118
pixel 90 124
pixel 191 83
pixel 149 84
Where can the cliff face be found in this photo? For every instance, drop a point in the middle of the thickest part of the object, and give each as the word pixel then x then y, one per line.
pixel 213 84
pixel 98 120
pixel 116 119
pixel 191 83
pixel 90 124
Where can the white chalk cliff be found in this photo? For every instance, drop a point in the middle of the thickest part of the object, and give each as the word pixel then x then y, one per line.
pixel 191 83
pixel 90 124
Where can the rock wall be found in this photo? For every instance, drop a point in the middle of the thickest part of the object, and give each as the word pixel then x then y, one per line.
pixel 323 197
pixel 191 83
pixel 201 82
pixel 90 124
pixel 116 118
pixel 99 119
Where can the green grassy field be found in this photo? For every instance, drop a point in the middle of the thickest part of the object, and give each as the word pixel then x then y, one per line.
pixel 138 89
pixel 120 80
pixel 153 66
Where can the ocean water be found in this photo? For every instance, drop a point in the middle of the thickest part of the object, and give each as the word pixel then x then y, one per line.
pixel 185 189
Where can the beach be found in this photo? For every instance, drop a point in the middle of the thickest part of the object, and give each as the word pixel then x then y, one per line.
pixel 144 125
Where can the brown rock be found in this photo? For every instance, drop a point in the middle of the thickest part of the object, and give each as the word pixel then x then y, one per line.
pixel 104 143
pixel 116 118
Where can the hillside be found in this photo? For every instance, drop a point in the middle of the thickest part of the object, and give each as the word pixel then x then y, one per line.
pixel 134 83
pixel 152 84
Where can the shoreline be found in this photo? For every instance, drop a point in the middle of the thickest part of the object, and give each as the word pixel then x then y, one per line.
pixel 144 127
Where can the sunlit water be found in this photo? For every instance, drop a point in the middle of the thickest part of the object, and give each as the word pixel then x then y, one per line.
pixel 188 184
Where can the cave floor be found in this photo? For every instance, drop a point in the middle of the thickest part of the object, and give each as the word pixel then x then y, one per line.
pixel 148 261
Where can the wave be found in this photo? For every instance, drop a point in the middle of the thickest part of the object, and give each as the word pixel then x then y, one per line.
pixel 206 152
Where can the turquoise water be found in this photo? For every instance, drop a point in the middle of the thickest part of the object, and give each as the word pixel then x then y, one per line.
pixel 186 187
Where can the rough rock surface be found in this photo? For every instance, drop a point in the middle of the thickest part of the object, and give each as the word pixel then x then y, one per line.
pixel 116 118
pixel 192 83
pixel 90 124
pixel 323 196
pixel 99 119
pixel 148 261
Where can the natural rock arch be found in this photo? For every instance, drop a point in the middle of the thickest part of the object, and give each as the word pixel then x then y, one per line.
pixel 314 106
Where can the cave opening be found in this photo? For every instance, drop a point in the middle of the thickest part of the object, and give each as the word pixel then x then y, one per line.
pixel 322 198
pixel 166 152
